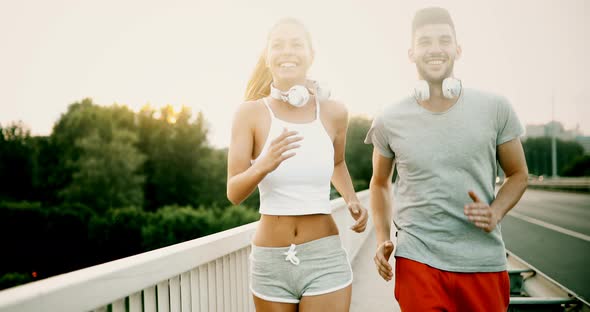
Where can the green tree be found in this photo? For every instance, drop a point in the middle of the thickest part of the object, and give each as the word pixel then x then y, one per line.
pixel 181 168
pixel 16 162
pixel 358 154
pixel 214 182
pixel 538 154
pixel 47 172
pixel 82 120
pixel 117 233
pixel 175 224
pixel 47 240
pixel 106 175
pixel 579 167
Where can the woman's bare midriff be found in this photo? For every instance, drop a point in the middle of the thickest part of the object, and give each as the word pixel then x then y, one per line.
pixel 282 231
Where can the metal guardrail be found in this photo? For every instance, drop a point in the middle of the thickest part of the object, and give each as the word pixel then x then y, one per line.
pixel 561 184
pixel 531 290
pixel 545 304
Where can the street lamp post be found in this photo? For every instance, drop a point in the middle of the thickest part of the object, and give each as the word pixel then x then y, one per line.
pixel 553 143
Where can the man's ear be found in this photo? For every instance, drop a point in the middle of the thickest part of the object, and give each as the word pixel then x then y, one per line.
pixel 459 52
pixel 411 55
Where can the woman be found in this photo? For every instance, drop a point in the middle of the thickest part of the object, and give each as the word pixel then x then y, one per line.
pixel 290 145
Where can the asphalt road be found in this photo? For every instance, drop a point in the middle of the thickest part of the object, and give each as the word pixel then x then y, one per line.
pixel 551 231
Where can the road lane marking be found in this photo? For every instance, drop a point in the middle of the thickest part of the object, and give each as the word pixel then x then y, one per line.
pixel 550 226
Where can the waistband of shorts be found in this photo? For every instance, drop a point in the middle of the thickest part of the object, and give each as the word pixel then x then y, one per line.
pixel 319 244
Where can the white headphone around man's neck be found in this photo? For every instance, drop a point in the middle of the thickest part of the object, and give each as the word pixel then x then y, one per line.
pixel 298 95
pixel 451 88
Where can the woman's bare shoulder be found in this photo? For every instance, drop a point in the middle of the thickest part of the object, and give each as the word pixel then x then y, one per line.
pixel 250 110
pixel 334 110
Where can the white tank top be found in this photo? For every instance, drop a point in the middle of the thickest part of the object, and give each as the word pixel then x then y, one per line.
pixel 301 184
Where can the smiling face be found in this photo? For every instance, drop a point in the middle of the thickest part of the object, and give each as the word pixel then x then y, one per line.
pixel 289 54
pixel 434 50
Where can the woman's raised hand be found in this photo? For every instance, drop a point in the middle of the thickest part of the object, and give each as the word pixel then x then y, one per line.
pixel 280 149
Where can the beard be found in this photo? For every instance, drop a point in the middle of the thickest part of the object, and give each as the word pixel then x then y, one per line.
pixel 435 78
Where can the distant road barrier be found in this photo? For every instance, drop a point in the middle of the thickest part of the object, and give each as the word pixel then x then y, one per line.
pixel 561 184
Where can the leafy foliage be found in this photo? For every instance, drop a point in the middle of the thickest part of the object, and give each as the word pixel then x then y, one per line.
pixel 538 155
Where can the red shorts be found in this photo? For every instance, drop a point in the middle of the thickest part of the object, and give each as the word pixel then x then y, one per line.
pixel 419 287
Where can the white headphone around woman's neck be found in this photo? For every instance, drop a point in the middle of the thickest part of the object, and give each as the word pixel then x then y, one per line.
pixel 298 95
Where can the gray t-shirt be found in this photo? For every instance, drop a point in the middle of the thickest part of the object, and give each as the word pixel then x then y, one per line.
pixel 439 158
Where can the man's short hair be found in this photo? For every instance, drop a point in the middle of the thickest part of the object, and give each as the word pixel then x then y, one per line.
pixel 432 15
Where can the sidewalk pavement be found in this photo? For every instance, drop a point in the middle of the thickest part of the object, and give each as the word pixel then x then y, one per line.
pixel 370 293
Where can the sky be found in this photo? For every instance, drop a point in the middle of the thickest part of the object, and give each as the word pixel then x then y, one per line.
pixel 201 53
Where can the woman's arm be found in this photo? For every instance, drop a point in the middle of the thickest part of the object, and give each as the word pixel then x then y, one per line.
pixel 341 177
pixel 242 176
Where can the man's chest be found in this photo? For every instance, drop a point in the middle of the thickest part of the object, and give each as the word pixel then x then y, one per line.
pixel 429 143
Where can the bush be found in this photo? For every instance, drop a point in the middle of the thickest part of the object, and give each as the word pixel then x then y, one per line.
pixel 60 239
pixel 14 279
pixel 234 216
pixel 117 233
pixel 174 224
pixel 47 240
pixel 579 167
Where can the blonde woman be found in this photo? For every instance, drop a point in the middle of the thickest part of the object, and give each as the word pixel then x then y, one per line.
pixel 290 143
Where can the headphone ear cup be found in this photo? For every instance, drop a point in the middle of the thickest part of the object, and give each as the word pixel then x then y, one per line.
pixel 451 87
pixel 276 93
pixel 323 93
pixel 298 96
pixel 421 90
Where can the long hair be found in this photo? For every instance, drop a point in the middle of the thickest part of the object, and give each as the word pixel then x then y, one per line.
pixel 259 84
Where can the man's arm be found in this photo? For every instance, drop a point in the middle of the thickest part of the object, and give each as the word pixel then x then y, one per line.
pixel 380 192
pixel 512 161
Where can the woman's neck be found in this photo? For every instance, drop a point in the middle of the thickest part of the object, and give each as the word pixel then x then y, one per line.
pixel 285 85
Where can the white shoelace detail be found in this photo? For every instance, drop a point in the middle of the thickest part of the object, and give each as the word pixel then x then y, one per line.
pixel 291 255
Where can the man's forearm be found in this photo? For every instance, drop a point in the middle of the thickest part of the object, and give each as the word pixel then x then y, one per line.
pixel 381 210
pixel 510 193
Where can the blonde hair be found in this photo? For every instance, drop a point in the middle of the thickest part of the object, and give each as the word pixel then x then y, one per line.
pixel 260 80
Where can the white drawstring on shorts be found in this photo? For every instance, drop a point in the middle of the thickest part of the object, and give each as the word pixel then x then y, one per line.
pixel 291 255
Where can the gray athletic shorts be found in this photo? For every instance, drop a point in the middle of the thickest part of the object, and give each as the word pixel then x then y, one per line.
pixel 285 274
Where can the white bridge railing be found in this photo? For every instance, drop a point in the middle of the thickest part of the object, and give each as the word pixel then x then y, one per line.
pixel 205 274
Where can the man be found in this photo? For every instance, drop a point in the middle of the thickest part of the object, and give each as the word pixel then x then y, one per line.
pixel 445 143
